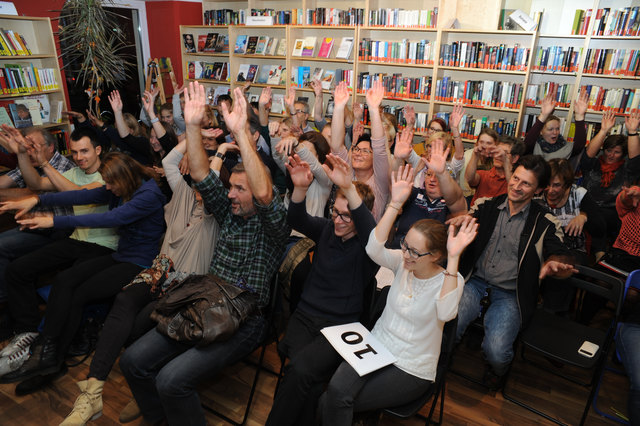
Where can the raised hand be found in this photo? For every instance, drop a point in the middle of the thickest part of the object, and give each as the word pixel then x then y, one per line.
pixel 194 104
pixel 237 119
pixel 265 97
pixel 341 95
pixel 409 115
pixel 547 105
pixel 375 95
pixel 147 102
pixel 338 171
pixel 75 115
pixel 467 231
pixel 632 121
pixel 580 107
pixel 211 133
pixel 316 85
pixel 12 140
pixel 178 89
pixel 401 185
pixel 287 145
pixel 456 116
pixel 358 111
pixel 290 98
pixel 273 128
pixel 94 119
pixel 404 144
pixel 608 121
pixel 358 130
pixel 115 101
pixel 438 159
pixel 299 171
pixel 21 206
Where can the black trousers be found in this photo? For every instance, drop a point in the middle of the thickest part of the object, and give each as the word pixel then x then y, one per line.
pixel 312 363
pixel 127 320
pixel 22 275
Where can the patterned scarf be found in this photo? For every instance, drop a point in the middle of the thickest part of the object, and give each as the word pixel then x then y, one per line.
pixel 608 171
pixel 551 147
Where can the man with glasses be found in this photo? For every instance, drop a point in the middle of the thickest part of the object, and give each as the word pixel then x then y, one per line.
pixel 334 292
pixel 299 110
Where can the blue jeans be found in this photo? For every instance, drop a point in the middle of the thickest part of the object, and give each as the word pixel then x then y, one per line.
pixel 501 321
pixel 628 345
pixel 163 374
pixel 13 244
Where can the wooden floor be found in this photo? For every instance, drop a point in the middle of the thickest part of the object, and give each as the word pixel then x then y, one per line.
pixel 466 403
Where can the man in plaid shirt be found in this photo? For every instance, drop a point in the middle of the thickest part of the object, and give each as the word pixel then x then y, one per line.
pixel 163 374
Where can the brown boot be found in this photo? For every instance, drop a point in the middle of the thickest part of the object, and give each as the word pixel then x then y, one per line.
pixel 88 405
pixel 130 412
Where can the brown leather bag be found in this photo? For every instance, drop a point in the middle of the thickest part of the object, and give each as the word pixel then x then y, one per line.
pixel 202 309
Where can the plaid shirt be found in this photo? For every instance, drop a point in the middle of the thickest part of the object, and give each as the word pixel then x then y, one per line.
pixel 61 164
pixel 248 250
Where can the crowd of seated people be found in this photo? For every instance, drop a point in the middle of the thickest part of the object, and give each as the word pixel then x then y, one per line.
pixel 195 190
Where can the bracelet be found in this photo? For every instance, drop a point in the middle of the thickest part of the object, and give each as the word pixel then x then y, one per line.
pixel 449 274
pixel 154 120
pixel 44 163
pixel 632 134
pixel 393 207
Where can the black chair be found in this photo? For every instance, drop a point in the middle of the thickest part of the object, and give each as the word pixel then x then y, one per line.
pixel 272 333
pixel 559 338
pixel 437 389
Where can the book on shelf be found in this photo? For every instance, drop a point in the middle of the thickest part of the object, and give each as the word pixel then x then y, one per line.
pixel 389 17
pixel 293 76
pixel 277 103
pixel 34 110
pixel 326 16
pixel 557 59
pixel 21 115
pixel 281 50
pixel 275 75
pixel 329 110
pixel 304 76
pixel 211 42
pixel 189 43
pixel 261 47
pixel 537 92
pixel 317 74
pixel 344 75
pixel 57 107
pixel 618 22
pixel 240 47
pixel 619 100
pixel 479 93
pixel 222 44
pixel 254 97
pixel 470 54
pixel 327 79
pixel 325 47
pixel 4 117
pixel 298 45
pixel 218 91
pixel 272 45
pixel 264 73
pixel 224 17
pixel 395 85
pixel 243 70
pixel 40 103
pixel 17 79
pixel 624 62
pixel 13 43
pixel 309 46
pixel 280 17
pixel 224 74
pixel 283 77
pixel 404 51
pixel 344 51
pixel 207 71
pixel 252 72
pixel 252 43
pixel 202 42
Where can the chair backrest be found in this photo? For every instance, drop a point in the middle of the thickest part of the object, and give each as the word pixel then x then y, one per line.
pixel 446 348
pixel 633 280
pixel 600 284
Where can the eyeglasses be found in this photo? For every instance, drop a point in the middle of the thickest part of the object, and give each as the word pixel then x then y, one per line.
pixel 362 150
pixel 412 252
pixel 298 111
pixel 343 216
pixel 435 130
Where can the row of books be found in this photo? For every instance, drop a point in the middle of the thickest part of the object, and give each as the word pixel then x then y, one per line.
pixel 619 22
pixel 479 93
pixel 301 76
pixel 260 45
pixel 397 86
pixel 307 47
pixel 557 59
pixel 31 111
pixel 16 79
pixel 612 62
pixel 537 92
pixel 470 125
pixel 477 54
pixel 402 52
pixel 404 18
pixel 13 43
pixel 619 100
pixel 319 16
pixel 224 17
pixel 218 71
pixel 265 74
pixel 209 43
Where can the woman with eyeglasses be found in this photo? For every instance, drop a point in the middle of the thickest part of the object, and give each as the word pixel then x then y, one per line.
pixel 422 298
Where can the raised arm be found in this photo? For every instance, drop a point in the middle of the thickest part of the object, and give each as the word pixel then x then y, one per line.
pixel 579 111
pixel 473 178
pixel 403 148
pixel 454 124
pixel 257 174
pixel 374 98
pixel 547 105
pixel 194 111
pixel 456 243
pixel 116 105
pixel 290 104
pixel 401 184
pixel 318 105
pixel 178 117
pixel 607 123
pixel 264 105
pixel 451 191
pixel 340 99
pixel 148 101
pixel 340 174
pixel 631 122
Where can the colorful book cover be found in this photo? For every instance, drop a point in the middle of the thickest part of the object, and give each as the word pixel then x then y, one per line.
pixel 325 47
pixel 21 115
pixel 220 43
pixel 217 71
pixel 327 79
pixel 304 75
pixel 243 70
pixel 210 44
pixel 272 45
pixel 283 77
pixel 202 42
pixel 282 47
pixel 199 71
pixel 297 47
pixel 44 108
pixel 224 75
pixel 241 45
pixel 263 75
pixel 275 75
pixel 261 47
pixel 309 46
pixel 189 43
pixel 277 103
pixel 317 74
pixel 253 71
pixel 252 43
pixel 207 71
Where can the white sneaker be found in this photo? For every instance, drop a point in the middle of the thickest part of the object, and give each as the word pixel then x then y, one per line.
pixel 18 343
pixel 14 361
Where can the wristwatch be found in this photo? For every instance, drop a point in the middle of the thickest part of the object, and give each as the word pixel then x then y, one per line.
pixel 220 156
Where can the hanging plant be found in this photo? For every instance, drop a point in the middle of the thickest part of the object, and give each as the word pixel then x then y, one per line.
pixel 91 40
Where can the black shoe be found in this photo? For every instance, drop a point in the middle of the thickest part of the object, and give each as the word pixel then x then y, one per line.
pixel 38 382
pixel 44 360
pixel 493 381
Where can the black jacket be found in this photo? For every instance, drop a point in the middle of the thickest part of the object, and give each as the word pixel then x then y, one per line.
pixel 541 237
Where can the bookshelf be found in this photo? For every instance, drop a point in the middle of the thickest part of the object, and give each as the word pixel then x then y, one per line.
pixel 478 25
pixel 34 78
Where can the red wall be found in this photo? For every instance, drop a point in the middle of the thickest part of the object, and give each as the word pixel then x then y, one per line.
pixel 164 19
